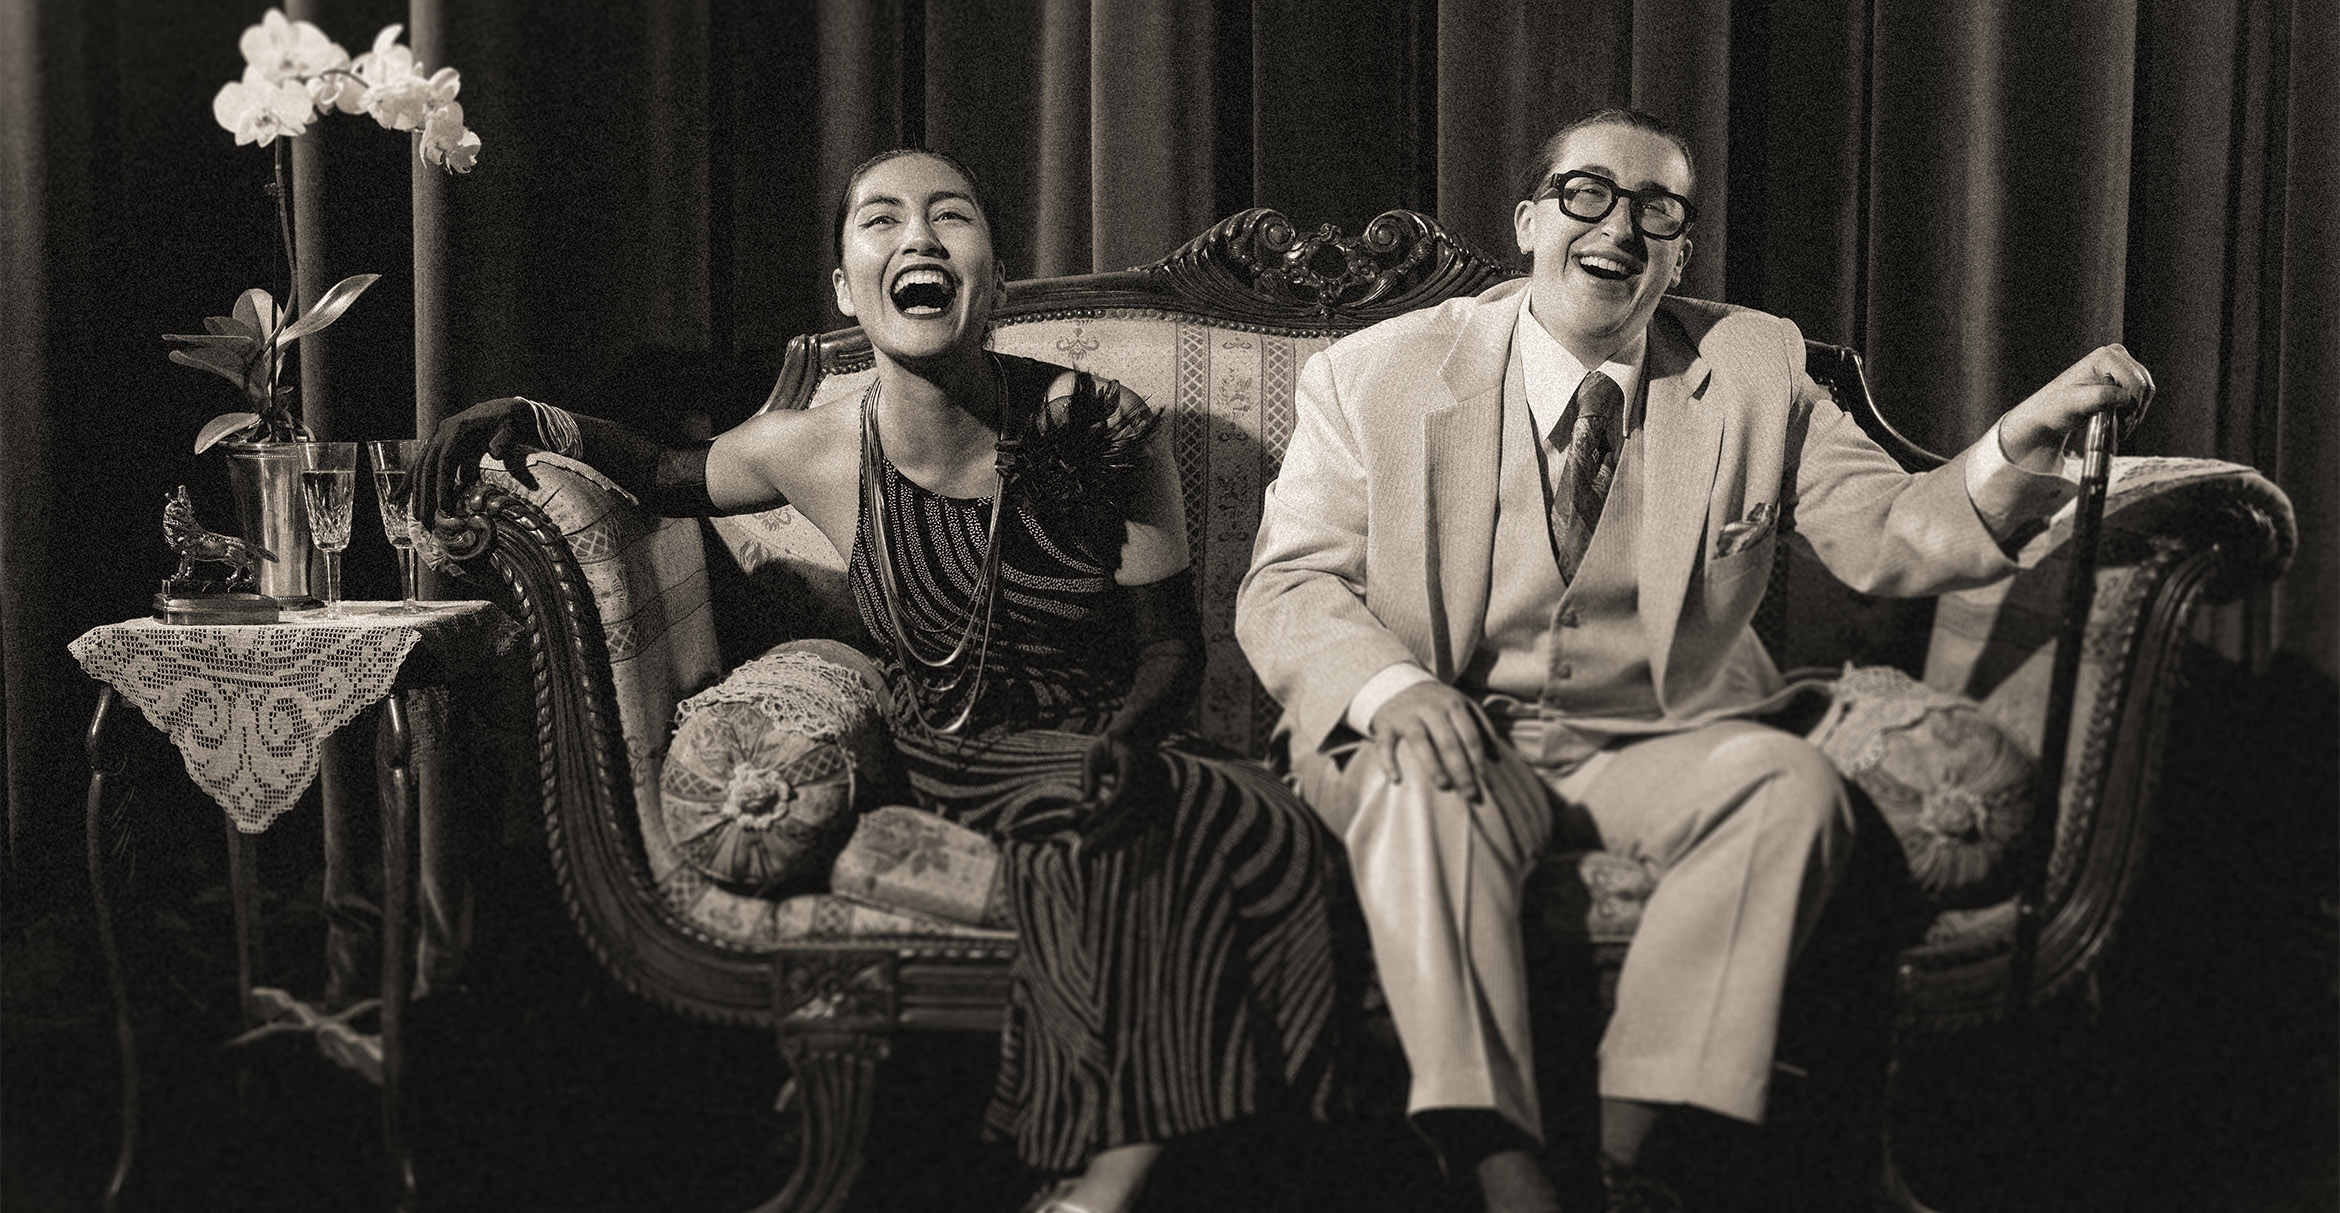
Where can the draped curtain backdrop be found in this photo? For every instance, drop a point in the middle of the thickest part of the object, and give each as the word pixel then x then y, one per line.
pixel 1974 194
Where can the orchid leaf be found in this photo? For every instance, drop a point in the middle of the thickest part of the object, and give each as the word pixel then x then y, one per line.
pixel 223 427
pixel 219 362
pixel 256 309
pixel 328 309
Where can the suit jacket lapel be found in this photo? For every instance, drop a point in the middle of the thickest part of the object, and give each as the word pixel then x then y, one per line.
pixel 1462 446
pixel 1681 441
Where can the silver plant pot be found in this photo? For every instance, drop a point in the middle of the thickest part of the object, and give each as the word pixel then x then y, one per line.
pixel 265 480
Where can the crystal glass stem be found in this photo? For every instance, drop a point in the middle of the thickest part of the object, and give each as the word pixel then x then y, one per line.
pixel 409 575
pixel 333 583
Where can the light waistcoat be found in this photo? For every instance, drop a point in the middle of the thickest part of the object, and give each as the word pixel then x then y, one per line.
pixel 1552 649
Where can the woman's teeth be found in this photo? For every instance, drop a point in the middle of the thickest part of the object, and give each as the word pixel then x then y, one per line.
pixel 924 292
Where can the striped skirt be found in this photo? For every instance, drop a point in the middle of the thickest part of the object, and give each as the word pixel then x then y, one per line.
pixel 1174 980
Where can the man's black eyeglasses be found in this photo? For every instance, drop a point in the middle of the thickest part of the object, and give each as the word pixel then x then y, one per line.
pixel 1589 197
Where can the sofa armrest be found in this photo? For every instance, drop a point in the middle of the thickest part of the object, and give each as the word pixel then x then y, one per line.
pixel 648 577
pixel 2177 533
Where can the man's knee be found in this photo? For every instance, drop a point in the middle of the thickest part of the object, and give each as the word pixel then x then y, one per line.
pixel 1507 821
pixel 1804 790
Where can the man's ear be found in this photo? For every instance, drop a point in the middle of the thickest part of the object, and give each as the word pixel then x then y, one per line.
pixel 844 292
pixel 1679 263
pixel 998 286
pixel 1523 227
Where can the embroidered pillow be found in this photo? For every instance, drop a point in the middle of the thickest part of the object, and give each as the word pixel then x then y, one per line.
pixel 1952 783
pixel 907 859
pixel 767 768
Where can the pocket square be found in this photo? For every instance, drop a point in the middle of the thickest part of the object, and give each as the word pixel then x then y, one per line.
pixel 1746 532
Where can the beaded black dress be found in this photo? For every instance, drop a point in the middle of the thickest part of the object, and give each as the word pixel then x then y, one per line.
pixel 1180 978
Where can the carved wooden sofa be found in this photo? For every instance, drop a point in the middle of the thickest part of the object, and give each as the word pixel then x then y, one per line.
pixel 621 626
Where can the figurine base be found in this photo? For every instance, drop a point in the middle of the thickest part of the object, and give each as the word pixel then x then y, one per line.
pixel 216 609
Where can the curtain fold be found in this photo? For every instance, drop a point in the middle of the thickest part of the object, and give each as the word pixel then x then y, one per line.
pixel 1973 194
pixel 2306 456
pixel 1681 64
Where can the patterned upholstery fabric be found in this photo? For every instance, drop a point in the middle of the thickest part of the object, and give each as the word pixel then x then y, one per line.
pixel 1996 644
pixel 1597 896
pixel 1955 787
pixel 649 578
pixel 903 858
pixel 769 767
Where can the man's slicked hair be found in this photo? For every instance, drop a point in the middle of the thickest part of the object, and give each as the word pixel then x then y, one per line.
pixel 1547 157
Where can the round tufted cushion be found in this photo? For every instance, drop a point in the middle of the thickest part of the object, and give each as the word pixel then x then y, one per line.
pixel 1951 782
pixel 768 768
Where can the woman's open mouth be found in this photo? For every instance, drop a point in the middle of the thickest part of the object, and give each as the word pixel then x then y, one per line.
pixel 924 290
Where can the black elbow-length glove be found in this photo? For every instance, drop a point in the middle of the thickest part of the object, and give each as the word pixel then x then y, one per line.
pixel 1167 633
pixel 671 481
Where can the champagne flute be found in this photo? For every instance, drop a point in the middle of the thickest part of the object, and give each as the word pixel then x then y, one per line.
pixel 394 460
pixel 329 490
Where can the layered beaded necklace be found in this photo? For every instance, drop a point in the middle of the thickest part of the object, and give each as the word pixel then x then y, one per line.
pixel 975 635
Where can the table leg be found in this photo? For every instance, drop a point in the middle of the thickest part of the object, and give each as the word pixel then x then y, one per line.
pixel 106 765
pixel 244 896
pixel 394 756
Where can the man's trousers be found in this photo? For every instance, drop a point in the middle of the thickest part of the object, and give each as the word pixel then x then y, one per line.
pixel 1747 827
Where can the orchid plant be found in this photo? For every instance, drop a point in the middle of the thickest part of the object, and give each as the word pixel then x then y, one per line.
pixel 293 74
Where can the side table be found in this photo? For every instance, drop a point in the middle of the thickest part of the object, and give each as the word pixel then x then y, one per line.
pixel 250 708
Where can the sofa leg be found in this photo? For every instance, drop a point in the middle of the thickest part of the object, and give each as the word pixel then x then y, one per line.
pixel 834 1085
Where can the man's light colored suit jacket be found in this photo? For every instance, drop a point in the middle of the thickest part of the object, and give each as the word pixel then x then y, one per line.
pixel 1376 543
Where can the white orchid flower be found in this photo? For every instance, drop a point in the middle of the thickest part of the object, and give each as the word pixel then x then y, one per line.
pixel 286 51
pixel 444 84
pixel 258 110
pixel 388 62
pixel 397 94
pixel 447 142
pixel 343 90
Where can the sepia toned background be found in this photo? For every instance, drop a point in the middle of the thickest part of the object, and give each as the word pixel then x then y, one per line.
pixel 1973 194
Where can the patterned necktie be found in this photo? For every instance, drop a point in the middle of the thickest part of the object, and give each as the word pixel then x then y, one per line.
pixel 1587 463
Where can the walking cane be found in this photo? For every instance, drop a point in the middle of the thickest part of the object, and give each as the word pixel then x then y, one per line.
pixel 2063 684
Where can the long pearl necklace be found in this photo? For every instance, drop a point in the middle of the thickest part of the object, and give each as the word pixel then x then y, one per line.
pixel 977 631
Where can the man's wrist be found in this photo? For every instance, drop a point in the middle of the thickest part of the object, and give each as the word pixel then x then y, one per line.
pixel 2028 446
pixel 2012 501
pixel 1380 689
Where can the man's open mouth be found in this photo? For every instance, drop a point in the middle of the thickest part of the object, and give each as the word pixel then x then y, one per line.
pixel 924 291
pixel 1608 269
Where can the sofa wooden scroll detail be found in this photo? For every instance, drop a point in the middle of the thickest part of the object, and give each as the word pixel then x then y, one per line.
pixel 621 628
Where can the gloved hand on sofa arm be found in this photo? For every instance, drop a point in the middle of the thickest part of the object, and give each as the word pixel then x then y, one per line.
pixel 670 481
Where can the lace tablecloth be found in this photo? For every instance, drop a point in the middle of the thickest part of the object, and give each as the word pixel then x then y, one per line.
pixel 250 706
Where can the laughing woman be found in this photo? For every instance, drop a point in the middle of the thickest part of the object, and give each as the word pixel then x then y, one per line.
pixel 1018 551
